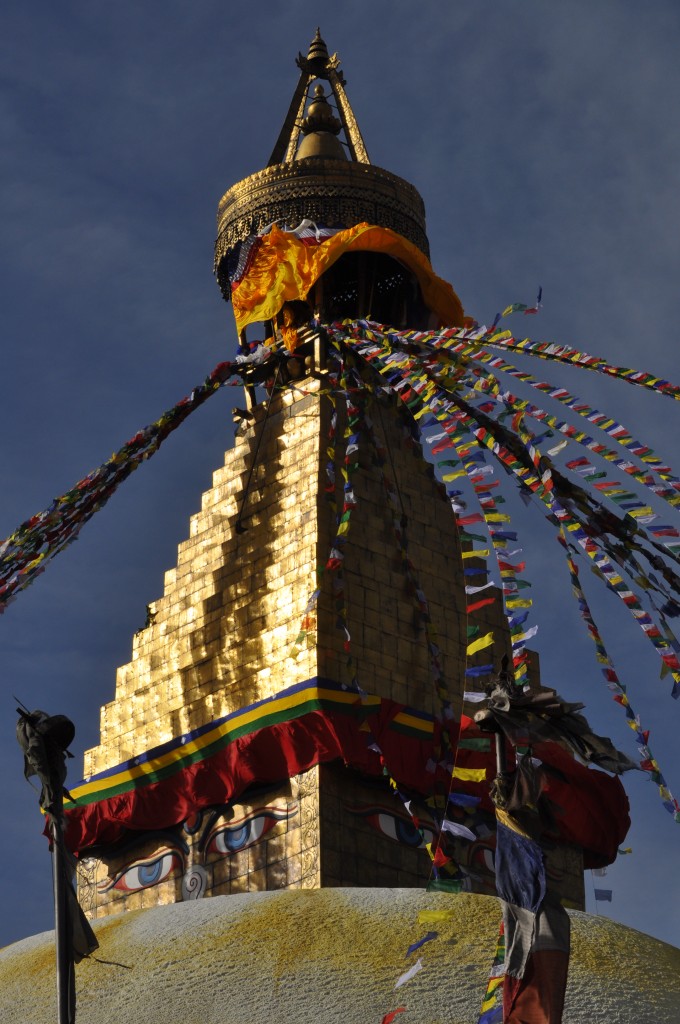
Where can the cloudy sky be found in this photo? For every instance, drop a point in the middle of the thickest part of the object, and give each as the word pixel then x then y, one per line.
pixel 543 138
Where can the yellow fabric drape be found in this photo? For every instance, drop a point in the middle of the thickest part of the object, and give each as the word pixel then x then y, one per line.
pixel 284 269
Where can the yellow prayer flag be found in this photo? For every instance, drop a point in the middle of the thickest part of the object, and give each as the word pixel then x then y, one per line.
pixel 469 774
pixel 434 916
pixel 479 644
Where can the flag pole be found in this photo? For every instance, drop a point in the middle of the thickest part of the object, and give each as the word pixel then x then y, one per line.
pixel 44 740
pixel 63 959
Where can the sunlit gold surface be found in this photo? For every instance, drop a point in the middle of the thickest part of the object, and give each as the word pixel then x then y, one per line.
pixel 222 633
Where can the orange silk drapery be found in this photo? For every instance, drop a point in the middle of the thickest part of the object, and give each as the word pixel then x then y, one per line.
pixel 284 269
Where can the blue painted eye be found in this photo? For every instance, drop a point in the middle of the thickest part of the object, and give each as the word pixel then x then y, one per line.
pixel 407 832
pixel 248 831
pixel 232 839
pixel 395 826
pixel 150 873
pixel 401 830
pixel 145 873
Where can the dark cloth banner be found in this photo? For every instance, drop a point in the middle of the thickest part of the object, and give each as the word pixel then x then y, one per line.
pixel 536 963
pixel 519 864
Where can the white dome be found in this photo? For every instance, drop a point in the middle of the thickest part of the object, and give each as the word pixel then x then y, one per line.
pixel 311 956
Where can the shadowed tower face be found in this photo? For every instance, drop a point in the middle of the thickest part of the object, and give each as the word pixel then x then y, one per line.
pixel 315 624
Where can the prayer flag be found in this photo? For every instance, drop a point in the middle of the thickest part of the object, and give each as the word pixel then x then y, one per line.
pixel 480 644
pixel 421 942
pixel 411 973
pixel 454 829
pixel 434 916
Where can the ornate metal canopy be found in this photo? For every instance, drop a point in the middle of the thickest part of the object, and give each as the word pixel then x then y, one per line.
pixel 313 174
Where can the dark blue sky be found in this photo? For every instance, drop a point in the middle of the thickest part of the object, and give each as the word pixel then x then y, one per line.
pixel 544 141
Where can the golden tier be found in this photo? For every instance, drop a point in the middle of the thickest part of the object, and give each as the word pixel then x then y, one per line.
pixel 333 193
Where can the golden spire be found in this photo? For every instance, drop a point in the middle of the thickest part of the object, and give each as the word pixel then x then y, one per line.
pixel 318 64
pixel 312 175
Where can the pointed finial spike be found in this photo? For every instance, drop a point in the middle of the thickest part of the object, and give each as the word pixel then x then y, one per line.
pixel 318 53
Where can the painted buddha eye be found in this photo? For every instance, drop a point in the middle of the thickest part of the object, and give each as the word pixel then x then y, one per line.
pixel 145 873
pixel 395 826
pixel 402 830
pixel 239 835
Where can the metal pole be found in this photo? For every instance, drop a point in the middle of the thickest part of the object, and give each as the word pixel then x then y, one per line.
pixel 64 965
pixel 44 740
pixel 501 758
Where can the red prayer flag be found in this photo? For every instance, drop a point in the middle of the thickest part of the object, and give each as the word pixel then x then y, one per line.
pixel 440 858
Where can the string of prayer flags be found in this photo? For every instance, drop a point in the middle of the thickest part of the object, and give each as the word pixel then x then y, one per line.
pixel 453 420
pixel 492 1003
pixel 618 691
pixel 489 505
pixel 617 431
pixel 399 526
pixel 564 354
pixel 307 632
pixel 543 487
pixel 611 426
pixel 358 422
pixel 638 509
pixel 451 384
pixel 399 530
pixel 603 895
pixel 24 555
